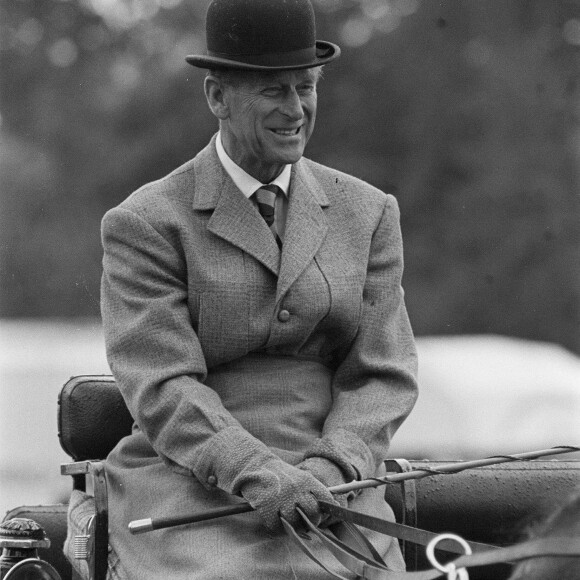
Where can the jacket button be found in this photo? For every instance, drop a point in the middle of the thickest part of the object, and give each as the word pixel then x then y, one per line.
pixel 283 316
pixel 212 480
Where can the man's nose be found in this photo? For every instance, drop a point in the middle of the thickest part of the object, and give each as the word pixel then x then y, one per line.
pixel 292 106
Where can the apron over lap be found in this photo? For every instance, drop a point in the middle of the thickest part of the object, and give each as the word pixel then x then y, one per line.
pixel 281 400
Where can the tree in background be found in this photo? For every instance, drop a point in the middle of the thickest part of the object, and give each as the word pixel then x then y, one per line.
pixel 466 110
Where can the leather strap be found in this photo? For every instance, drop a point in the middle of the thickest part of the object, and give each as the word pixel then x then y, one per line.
pixel 408 533
pixel 368 565
pixel 541 548
pixel 357 537
pixel 302 545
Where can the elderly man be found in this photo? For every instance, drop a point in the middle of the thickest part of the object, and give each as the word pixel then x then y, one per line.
pixel 254 322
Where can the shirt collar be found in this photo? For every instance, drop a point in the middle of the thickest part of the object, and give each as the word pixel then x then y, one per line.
pixel 244 181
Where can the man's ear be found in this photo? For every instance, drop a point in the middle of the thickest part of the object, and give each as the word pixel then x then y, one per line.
pixel 215 95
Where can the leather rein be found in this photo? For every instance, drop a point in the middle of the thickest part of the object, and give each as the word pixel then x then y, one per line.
pixel 369 565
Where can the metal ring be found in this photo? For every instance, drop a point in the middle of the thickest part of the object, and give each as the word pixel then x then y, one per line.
pixel 431 551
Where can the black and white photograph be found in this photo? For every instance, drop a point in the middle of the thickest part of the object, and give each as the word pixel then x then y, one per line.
pixel 289 289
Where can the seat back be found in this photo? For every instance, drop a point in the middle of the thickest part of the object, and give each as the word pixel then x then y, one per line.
pixel 92 417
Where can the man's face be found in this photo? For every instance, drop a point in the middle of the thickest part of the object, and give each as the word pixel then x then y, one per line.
pixel 270 120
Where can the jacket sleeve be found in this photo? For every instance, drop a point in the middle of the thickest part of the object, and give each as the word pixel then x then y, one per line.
pixel 374 387
pixel 156 357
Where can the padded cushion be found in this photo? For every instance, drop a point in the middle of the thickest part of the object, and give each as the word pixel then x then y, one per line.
pixel 92 417
pixel 52 518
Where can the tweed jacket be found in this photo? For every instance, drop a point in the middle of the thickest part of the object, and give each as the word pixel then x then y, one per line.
pixel 193 280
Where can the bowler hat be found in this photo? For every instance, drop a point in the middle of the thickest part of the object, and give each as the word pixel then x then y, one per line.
pixel 262 35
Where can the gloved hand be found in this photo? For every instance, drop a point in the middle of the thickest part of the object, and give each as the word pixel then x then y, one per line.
pixel 240 464
pixel 329 474
pixel 277 488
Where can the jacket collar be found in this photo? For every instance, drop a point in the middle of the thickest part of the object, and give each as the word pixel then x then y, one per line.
pixel 236 220
pixel 246 182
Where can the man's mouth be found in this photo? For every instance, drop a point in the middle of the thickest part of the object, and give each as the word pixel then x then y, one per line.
pixel 286 132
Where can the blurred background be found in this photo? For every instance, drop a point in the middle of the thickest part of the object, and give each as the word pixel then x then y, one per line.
pixel 467 110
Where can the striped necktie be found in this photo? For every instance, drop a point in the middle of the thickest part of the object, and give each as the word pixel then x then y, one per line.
pixel 266 200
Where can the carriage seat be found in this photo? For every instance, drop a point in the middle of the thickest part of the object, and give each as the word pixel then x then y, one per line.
pixel 484 504
pixel 92 418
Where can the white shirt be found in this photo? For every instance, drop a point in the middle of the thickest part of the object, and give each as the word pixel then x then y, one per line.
pixel 248 184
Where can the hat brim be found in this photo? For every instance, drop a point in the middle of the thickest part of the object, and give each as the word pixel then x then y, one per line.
pixel 325 53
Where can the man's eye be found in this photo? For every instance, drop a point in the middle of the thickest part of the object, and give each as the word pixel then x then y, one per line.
pixel 270 91
pixel 306 89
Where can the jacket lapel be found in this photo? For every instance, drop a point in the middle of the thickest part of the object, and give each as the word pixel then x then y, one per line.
pixel 234 219
pixel 306 226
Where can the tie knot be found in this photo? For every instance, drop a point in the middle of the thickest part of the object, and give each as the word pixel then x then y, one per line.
pixel 266 201
pixel 267 194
